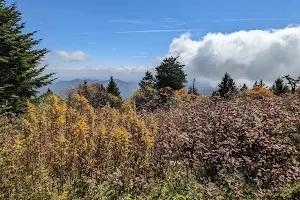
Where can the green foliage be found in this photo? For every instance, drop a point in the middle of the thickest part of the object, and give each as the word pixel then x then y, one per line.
pixel 150 99
pixel 20 74
pixel 147 81
pixel 83 89
pixel 279 87
pixel 193 89
pixel 113 88
pixel 170 74
pixel 227 86
pixel 178 184
pixel 97 95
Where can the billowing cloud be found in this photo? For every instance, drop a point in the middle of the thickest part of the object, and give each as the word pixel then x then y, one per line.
pixel 123 73
pixel 72 56
pixel 246 55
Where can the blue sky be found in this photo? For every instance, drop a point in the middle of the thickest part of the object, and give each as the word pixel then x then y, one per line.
pixel 118 33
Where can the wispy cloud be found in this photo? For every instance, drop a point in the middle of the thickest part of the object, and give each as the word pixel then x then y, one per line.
pixel 129 21
pixel 166 20
pixel 84 33
pixel 115 49
pixel 72 56
pixel 171 27
pixel 140 56
pixel 247 19
pixel 91 42
pixel 162 30
pixel 174 21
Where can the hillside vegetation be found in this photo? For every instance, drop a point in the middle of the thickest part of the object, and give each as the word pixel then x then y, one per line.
pixel 243 148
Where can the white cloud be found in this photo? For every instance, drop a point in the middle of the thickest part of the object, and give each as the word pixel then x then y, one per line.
pixel 72 56
pixel 122 73
pixel 129 21
pixel 161 30
pixel 115 49
pixel 246 55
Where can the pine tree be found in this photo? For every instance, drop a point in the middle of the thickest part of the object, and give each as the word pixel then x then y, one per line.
pixel 147 81
pixel 244 87
pixel 20 73
pixel 279 87
pixel 227 85
pixel 170 74
pixel 113 88
pixel 193 89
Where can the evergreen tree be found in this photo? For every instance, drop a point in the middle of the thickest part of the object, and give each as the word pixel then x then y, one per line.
pixel 292 82
pixel 227 85
pixel 113 88
pixel 98 95
pixel 170 74
pixel 83 89
pixel 147 81
pixel 193 89
pixel 20 73
pixel 244 87
pixel 279 87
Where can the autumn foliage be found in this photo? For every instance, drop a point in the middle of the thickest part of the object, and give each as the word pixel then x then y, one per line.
pixel 242 148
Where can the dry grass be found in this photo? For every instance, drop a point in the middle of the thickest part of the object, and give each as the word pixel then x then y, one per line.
pixel 243 148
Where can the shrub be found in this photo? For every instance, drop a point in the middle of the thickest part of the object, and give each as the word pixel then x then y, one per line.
pixel 241 148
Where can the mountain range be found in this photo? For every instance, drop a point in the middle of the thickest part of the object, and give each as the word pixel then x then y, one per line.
pixel 127 89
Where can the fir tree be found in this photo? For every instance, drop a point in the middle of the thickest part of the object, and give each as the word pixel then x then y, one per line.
pixel 147 81
pixel 279 87
pixel 20 73
pixel 244 87
pixel 113 88
pixel 193 89
pixel 227 85
pixel 170 74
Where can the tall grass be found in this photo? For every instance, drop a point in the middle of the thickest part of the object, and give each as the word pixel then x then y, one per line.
pixel 243 148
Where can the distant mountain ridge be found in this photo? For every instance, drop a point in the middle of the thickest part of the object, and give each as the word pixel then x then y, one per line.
pixel 127 89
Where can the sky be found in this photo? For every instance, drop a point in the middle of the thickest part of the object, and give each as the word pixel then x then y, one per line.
pixel 96 39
